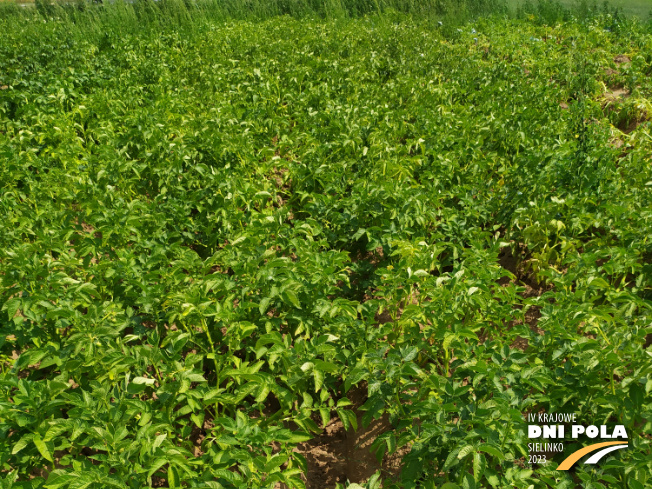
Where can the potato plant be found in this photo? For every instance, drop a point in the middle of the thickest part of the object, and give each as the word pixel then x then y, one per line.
pixel 212 231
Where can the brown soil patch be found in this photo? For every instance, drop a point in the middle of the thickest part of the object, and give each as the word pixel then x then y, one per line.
pixel 532 316
pixel 373 257
pixel 197 436
pixel 616 94
pixel 611 100
pixel 47 469
pixel 339 455
pixel 384 317
pixel 281 181
pixel 533 288
pixel 616 143
pixel 610 72
pixel 622 59
pixel 520 343
pixel 628 127
pixel 516 265
pixel 159 481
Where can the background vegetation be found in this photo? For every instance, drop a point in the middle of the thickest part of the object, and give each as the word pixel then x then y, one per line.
pixel 459 10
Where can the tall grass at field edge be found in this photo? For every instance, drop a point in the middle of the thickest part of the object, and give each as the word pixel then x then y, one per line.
pixel 172 11
pixel 99 18
pixel 88 16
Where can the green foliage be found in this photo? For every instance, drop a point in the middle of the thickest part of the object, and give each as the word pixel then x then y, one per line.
pixel 211 232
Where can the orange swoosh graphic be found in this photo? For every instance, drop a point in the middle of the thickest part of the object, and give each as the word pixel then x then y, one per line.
pixel 575 456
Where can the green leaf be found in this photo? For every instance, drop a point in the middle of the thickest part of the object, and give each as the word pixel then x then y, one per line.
pixel 491 450
pixel 22 443
pixel 42 448
pixel 348 418
pixel 492 479
pixel 264 304
pixel 158 440
pixel 359 373
pixel 292 436
pixel 262 393
pixel 326 366
pixel 232 477
pixel 319 379
pixel 468 482
pixel 325 416
pixel 143 380
pixel 636 394
pixel 194 377
pixel 292 297
pixel 11 306
pixel 479 466
pixel 275 462
pixel 173 477
pixel 451 459
pixel 156 465
pixel 468 449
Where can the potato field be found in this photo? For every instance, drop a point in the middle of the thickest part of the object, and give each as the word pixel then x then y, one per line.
pixel 320 251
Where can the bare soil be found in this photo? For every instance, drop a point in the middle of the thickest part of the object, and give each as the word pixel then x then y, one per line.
pixel 533 288
pixel 622 59
pixel 339 455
